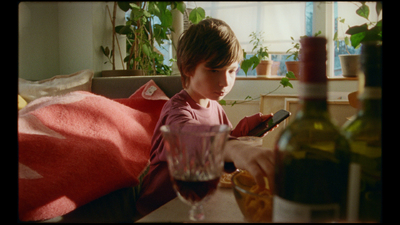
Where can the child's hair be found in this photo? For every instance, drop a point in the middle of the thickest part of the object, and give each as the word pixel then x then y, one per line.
pixel 211 41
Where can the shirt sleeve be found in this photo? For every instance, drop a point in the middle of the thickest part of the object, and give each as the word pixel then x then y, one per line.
pixel 246 124
pixel 180 116
pixel 156 189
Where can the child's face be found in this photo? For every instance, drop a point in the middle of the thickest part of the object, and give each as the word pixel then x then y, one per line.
pixel 211 84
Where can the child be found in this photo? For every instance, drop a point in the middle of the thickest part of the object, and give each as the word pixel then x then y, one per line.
pixel 208 57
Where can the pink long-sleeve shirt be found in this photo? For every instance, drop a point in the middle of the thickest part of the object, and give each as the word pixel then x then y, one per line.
pixel 156 188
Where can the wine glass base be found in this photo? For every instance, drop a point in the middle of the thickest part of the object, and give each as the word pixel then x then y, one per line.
pixel 196 213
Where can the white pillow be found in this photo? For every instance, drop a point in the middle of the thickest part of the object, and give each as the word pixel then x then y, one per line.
pixel 57 85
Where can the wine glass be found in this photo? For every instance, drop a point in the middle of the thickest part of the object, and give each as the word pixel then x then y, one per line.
pixel 195 161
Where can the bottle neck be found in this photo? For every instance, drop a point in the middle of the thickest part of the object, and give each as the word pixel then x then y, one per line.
pixel 313 98
pixel 370 85
pixel 314 107
pixel 370 80
pixel 313 81
pixel 370 101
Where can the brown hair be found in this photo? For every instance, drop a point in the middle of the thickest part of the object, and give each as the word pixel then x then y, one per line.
pixel 211 40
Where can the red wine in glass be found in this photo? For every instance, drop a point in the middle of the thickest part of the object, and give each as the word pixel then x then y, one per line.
pixel 194 190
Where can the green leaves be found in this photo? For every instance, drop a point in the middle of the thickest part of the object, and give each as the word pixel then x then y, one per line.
pixel 318 33
pixel 290 74
pixel 222 102
pixel 138 13
pixel 166 18
pixel 261 54
pixel 197 15
pixel 106 51
pixel 142 32
pixel 246 64
pixel 123 29
pixel 363 32
pixel 378 8
pixel 256 40
pixel 153 9
pixel 363 11
pixel 180 6
pixel 124 6
pixel 357 29
pixel 296 48
pixel 146 50
pixel 285 80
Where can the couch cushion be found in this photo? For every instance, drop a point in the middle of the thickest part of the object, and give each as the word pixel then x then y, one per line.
pixel 57 85
pixel 77 147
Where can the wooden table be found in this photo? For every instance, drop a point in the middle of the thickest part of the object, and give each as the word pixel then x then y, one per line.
pixel 220 207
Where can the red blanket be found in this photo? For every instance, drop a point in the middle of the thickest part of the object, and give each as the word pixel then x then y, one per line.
pixel 78 147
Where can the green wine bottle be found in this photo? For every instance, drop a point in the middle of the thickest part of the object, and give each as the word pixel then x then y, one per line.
pixel 364 134
pixel 312 156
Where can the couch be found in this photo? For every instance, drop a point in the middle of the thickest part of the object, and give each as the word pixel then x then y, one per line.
pixel 116 205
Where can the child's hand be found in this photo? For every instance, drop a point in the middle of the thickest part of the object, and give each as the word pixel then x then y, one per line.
pixel 265 117
pixel 248 123
pixel 258 161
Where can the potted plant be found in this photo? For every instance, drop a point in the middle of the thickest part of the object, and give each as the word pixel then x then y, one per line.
pixel 369 31
pixel 293 66
pixel 142 34
pixel 349 62
pixel 260 60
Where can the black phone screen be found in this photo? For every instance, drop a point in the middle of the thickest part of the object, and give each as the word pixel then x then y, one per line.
pixel 267 125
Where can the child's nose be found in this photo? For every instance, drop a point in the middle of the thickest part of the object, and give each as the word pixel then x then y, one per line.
pixel 224 79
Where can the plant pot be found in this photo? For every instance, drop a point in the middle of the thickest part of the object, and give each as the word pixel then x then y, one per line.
pixel 264 68
pixel 275 67
pixel 118 73
pixel 350 65
pixel 294 67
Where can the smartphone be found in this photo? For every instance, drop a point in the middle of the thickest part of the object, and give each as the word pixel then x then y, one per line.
pixel 267 125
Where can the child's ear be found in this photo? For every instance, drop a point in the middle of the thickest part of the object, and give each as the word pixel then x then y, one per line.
pixel 188 74
pixel 185 78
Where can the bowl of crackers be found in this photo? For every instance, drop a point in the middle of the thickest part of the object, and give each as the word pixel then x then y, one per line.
pixel 255 202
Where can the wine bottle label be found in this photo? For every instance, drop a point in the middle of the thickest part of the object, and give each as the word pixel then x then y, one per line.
pixel 353 193
pixel 288 211
pixel 365 149
pixel 371 93
pixel 312 90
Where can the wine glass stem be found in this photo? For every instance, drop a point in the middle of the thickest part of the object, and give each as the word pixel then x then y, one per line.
pixel 196 213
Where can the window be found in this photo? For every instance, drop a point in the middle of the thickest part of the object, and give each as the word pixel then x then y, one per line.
pixel 279 58
pixel 282 20
pixel 246 17
pixel 346 11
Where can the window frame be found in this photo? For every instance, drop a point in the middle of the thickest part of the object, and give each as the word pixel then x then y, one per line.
pixel 323 20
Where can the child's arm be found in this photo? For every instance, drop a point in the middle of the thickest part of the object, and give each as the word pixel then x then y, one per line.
pixel 259 161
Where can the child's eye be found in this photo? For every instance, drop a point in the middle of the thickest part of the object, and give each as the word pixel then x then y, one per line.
pixel 234 71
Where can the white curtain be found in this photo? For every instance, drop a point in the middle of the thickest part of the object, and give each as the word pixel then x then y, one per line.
pixel 278 20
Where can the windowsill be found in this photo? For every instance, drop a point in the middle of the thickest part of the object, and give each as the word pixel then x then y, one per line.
pixel 275 77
